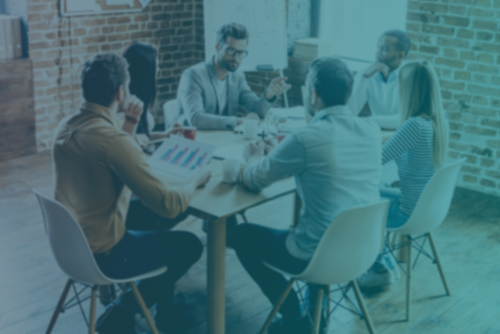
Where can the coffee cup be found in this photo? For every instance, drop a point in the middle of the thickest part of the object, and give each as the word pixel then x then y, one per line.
pixel 250 128
pixel 230 170
pixel 189 132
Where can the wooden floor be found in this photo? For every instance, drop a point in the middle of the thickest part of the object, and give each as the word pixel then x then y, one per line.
pixel 468 241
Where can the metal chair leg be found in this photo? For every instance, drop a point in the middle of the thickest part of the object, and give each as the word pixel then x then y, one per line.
pixel 277 306
pixel 438 262
pixel 93 302
pixel 328 309
pixel 361 302
pixel 144 308
pixel 60 304
pixel 408 277
pixel 317 313
pixel 242 214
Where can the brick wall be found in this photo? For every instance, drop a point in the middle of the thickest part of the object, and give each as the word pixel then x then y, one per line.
pixel 461 38
pixel 59 46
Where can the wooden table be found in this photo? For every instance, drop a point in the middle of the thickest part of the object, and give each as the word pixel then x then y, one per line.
pixel 217 201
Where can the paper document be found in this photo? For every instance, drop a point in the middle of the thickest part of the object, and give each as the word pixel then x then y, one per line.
pixel 234 151
pixel 178 157
pixel 80 5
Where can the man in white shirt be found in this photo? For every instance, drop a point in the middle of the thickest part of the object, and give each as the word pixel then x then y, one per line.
pixel 377 85
pixel 210 92
pixel 335 161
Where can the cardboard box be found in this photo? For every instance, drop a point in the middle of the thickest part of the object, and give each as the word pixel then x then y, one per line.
pixel 10 37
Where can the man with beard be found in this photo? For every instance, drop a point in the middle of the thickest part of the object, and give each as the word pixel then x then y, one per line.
pixel 335 161
pixel 210 92
pixel 378 84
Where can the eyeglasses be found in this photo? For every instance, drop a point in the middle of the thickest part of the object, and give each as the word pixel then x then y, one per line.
pixel 233 52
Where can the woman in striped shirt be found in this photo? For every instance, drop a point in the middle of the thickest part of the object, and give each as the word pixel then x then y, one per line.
pixel 419 149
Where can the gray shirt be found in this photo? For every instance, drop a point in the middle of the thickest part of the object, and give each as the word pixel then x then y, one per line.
pixel 199 98
pixel 336 164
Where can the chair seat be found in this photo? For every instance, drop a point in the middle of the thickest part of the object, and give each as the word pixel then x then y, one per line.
pixel 150 274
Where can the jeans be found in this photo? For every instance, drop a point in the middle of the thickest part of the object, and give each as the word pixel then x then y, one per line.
pixel 141 252
pixel 395 218
pixel 254 245
pixel 142 218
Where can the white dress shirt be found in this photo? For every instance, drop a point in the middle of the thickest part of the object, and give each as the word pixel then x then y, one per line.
pixel 336 164
pixel 382 97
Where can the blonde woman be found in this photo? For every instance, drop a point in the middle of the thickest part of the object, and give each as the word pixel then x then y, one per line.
pixel 419 149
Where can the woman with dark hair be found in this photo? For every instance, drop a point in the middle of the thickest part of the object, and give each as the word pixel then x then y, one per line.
pixel 142 59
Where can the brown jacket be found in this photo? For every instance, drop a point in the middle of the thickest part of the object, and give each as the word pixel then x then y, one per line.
pixel 97 165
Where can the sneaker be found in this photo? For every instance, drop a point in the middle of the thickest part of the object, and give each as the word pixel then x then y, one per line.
pixel 373 279
pixel 300 326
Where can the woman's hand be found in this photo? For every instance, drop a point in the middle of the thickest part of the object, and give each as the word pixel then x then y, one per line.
pixel 175 129
pixel 202 176
pixel 142 140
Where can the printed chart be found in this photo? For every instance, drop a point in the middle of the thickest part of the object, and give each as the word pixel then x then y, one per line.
pixel 178 156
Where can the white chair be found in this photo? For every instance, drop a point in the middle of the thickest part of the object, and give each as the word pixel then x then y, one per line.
pixel 429 213
pixel 348 248
pixel 171 112
pixel 73 255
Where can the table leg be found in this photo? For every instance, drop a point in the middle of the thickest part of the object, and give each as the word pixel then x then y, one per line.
pixel 216 266
pixel 297 206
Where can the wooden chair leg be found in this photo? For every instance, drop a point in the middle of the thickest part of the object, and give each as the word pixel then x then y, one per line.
pixel 144 308
pixel 277 306
pixel 408 277
pixel 438 262
pixel 362 306
pixel 317 313
pixel 328 301
pixel 59 306
pixel 93 305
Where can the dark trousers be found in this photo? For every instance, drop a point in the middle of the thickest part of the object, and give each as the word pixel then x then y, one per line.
pixel 255 244
pixel 141 252
pixel 142 218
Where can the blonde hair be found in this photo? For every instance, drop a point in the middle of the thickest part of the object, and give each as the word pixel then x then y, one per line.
pixel 420 95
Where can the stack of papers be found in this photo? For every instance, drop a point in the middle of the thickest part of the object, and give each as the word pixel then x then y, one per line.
pixel 295 113
pixel 309 49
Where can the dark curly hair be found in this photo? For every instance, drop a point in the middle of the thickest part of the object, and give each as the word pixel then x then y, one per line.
pixel 101 77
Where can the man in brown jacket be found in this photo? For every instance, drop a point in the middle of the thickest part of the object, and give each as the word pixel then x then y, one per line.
pixel 97 167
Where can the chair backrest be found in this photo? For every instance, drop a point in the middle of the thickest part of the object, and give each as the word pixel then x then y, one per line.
pixel 171 112
pixel 434 202
pixel 349 246
pixel 69 244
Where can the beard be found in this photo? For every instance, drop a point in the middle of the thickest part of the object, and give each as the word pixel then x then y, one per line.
pixel 229 65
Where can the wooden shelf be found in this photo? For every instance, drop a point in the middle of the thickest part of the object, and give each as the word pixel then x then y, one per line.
pixel 17 109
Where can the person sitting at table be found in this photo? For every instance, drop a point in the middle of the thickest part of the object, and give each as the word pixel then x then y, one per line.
pixel 211 92
pixel 97 165
pixel 419 148
pixel 335 161
pixel 142 59
pixel 377 85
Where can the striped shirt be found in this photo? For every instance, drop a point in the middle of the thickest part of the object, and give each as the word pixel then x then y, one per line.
pixel 412 147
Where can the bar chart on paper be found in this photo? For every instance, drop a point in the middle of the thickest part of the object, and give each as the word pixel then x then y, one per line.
pixel 178 157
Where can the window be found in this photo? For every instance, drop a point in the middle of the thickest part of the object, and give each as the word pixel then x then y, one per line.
pixel 354 26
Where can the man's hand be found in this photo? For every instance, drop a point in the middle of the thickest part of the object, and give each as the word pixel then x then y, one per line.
pixel 251 115
pixel 175 129
pixel 269 145
pixel 375 68
pixel 277 87
pixel 253 152
pixel 202 176
pixel 133 108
